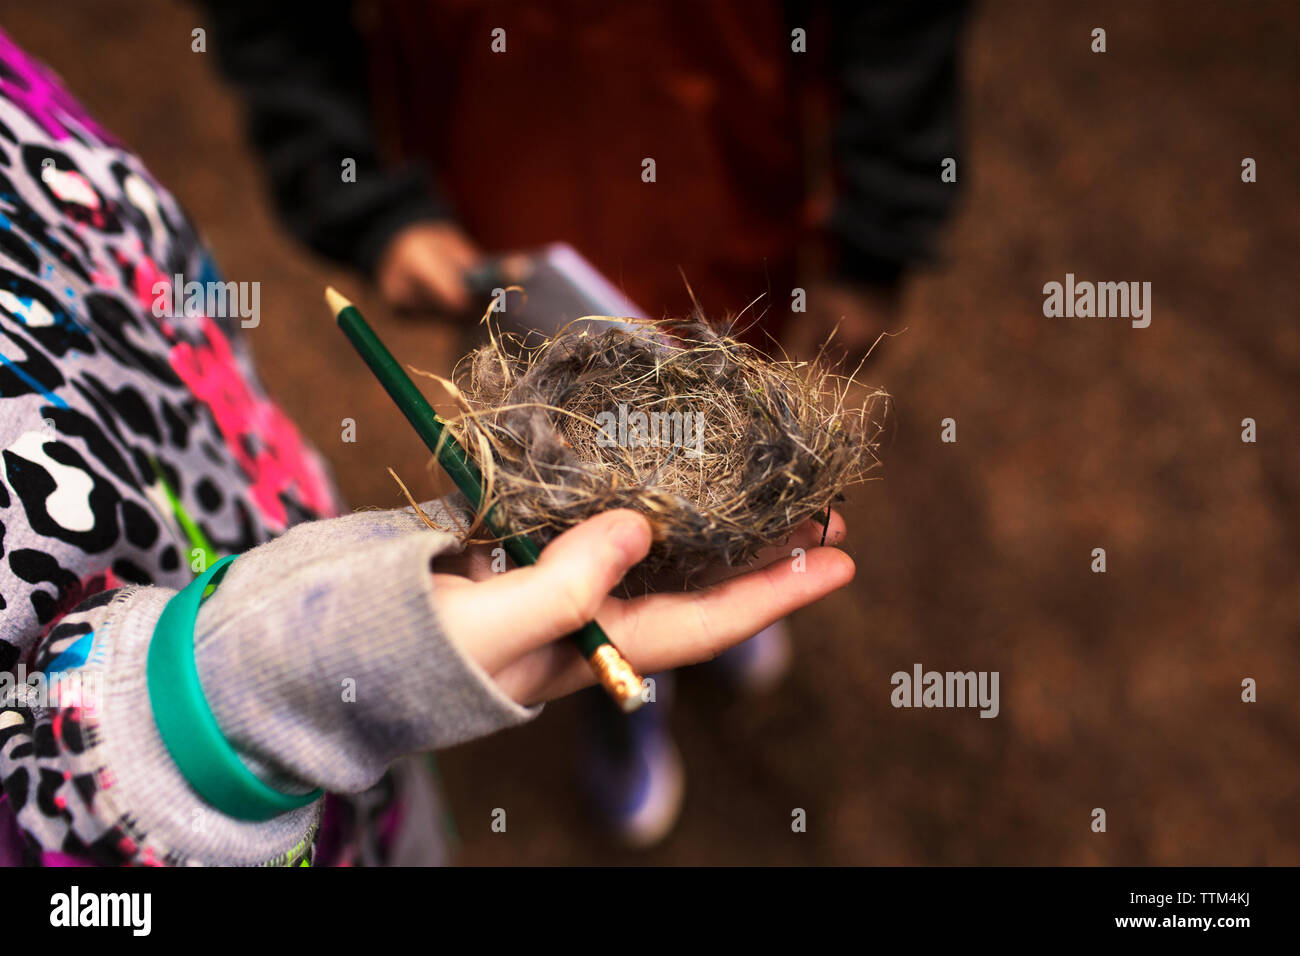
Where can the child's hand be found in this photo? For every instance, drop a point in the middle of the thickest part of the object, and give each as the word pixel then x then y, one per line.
pixel 424 265
pixel 514 624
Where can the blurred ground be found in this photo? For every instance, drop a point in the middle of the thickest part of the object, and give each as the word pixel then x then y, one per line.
pixel 1119 690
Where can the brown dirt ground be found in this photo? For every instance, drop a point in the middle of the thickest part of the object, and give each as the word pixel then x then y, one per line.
pixel 1118 690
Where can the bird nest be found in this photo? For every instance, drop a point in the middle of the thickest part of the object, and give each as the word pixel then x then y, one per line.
pixel 723 449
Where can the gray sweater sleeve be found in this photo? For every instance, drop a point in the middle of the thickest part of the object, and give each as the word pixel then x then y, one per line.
pixel 323 661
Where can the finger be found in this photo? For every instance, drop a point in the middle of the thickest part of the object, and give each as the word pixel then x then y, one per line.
pixel 804 538
pixel 807 536
pixel 663 631
pixel 499 619
pixel 477 562
pixel 462 251
pixel 669 630
pixel 443 282
pixel 449 240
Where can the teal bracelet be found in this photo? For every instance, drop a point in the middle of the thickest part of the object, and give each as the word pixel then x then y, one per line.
pixel 188 728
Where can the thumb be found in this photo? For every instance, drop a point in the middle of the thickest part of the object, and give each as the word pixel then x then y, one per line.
pixel 441 282
pixel 513 613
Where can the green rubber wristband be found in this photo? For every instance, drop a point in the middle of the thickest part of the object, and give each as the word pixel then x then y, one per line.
pixel 186 722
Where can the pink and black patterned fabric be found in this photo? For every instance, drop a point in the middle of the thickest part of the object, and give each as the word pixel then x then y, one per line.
pixel 122 435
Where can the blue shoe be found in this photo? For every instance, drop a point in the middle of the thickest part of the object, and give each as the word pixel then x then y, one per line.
pixel 760 663
pixel 634 774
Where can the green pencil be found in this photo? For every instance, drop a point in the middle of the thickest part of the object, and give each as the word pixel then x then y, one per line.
pixel 615 673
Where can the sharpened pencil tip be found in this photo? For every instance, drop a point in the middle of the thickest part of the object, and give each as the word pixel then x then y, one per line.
pixel 335 300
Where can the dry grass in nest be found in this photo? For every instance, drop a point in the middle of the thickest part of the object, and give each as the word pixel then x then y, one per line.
pixel 751 449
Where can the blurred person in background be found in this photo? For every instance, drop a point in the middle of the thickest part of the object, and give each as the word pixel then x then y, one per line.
pixel 795 145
